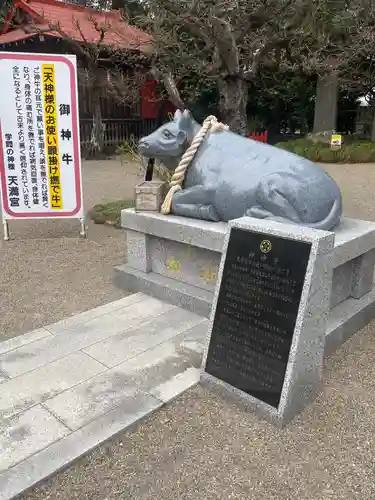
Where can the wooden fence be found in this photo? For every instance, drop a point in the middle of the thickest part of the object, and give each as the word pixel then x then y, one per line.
pixel 117 131
pixel 259 136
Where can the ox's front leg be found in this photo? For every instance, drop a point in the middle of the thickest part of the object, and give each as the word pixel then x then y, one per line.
pixel 195 202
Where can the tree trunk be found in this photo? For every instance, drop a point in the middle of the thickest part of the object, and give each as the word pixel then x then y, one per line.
pixel 98 128
pixel 233 93
pixel 118 4
pixel 373 125
pixel 326 103
pixel 304 128
pixel 274 127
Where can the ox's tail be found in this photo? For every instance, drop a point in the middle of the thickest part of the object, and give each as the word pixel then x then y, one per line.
pixel 333 218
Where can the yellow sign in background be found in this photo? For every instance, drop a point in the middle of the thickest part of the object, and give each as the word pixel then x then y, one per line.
pixel 52 136
pixel 336 141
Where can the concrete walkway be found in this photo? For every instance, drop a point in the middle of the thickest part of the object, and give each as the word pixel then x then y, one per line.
pixel 67 387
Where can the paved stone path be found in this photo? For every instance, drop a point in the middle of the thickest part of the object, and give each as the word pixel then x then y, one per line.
pixel 67 387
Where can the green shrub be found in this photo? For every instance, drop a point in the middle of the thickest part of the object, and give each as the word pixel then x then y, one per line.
pixel 328 155
pixel 352 151
pixel 110 213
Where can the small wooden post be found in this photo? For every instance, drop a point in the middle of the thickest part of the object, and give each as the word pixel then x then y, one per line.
pixel 149 195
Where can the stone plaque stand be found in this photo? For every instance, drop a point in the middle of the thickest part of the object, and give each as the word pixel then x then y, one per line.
pixel 149 195
pixel 305 362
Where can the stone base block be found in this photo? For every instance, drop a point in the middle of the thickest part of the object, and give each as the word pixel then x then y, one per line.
pixel 176 259
pixel 192 298
pixel 348 318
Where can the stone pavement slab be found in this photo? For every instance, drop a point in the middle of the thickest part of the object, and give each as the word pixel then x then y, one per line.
pixel 67 387
pixel 133 341
pixel 89 401
pixel 56 456
pixel 44 382
pixel 120 385
pixel 86 316
pixel 180 383
pixel 27 433
pixel 51 348
pixel 26 338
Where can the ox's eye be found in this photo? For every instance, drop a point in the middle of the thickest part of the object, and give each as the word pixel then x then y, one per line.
pixel 167 134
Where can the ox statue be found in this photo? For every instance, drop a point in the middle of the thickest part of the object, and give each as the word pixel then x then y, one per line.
pixel 231 176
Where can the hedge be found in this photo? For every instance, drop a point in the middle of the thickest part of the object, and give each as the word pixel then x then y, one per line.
pixel 110 213
pixel 350 152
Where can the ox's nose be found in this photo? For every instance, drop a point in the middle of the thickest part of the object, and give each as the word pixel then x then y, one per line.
pixel 143 144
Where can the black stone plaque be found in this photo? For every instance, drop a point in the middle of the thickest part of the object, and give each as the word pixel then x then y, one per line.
pixel 256 312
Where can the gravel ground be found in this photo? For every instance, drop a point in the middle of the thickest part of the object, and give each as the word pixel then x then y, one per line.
pixel 47 272
pixel 203 447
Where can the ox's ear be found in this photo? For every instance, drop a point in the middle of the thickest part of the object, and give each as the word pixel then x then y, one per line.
pixel 177 115
pixel 181 137
pixel 186 120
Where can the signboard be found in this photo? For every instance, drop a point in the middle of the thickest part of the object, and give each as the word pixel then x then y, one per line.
pixel 256 312
pixel 336 141
pixel 40 161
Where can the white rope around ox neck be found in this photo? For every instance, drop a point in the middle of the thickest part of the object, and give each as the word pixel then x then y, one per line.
pixel 210 124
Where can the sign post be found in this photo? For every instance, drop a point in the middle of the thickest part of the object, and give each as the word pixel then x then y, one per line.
pixel 40 160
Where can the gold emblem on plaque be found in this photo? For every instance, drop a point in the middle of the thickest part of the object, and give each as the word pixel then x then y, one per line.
pixel 173 265
pixel 209 274
pixel 265 246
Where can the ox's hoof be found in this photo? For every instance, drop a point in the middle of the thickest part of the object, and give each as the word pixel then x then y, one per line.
pixel 207 212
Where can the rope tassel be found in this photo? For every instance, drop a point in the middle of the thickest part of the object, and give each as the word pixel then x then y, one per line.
pixel 210 124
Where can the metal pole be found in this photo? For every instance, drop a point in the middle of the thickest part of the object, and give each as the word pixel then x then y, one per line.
pixel 83 232
pixel 150 169
pixel 6 230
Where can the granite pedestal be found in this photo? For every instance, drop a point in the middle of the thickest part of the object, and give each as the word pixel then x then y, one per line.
pixel 176 259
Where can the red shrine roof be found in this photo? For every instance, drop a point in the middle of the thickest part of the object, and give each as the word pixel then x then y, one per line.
pixel 82 24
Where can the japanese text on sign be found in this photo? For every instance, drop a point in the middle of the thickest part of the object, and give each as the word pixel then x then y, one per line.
pixel 50 124
pixel 40 175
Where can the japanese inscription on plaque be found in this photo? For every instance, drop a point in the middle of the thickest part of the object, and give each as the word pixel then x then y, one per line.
pixel 40 170
pixel 256 312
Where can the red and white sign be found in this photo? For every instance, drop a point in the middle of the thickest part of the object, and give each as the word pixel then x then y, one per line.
pixel 40 160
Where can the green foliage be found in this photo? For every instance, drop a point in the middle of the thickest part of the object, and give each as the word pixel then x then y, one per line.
pixel 282 101
pixel 347 106
pixel 351 151
pixel 205 103
pixel 133 8
pixel 110 213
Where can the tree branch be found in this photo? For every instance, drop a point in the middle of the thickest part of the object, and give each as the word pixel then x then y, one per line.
pixel 170 86
pixel 226 44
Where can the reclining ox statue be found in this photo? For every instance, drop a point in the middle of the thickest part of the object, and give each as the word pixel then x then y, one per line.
pixel 231 176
